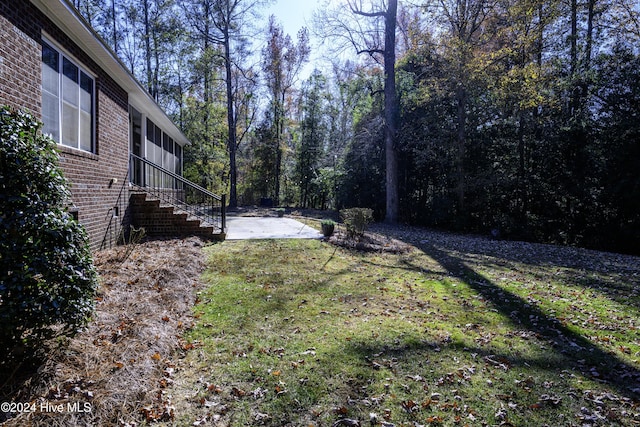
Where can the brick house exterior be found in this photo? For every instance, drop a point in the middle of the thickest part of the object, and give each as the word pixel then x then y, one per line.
pixel 42 44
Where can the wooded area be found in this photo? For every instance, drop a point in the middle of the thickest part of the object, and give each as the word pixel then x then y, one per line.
pixel 519 118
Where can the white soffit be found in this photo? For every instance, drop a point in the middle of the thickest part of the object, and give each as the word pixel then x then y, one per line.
pixel 75 27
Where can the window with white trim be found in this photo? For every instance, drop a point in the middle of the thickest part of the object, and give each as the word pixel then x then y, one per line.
pixel 67 100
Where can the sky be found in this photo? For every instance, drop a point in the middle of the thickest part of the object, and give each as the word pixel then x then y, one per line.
pixel 293 14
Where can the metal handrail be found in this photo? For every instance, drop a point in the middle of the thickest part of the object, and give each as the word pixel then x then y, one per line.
pixel 178 192
pixel 119 218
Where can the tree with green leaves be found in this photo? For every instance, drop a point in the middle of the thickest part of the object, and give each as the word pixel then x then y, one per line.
pixel 47 278
pixel 224 24
pixel 313 130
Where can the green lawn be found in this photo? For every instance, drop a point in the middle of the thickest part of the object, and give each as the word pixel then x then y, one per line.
pixel 302 333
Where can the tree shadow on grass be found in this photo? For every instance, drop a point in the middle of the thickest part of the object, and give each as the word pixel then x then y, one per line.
pixel 577 350
pixel 615 275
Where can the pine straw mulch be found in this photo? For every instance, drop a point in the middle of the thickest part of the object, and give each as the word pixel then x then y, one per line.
pixel 117 369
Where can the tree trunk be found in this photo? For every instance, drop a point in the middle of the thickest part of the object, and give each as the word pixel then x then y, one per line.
pixel 114 20
pixel 147 44
pixel 588 49
pixel 156 66
pixel 461 95
pixel 279 143
pixel 522 168
pixel 206 88
pixel 575 96
pixel 390 113
pixel 231 123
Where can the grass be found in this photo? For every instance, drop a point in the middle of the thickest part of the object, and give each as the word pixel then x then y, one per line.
pixel 302 333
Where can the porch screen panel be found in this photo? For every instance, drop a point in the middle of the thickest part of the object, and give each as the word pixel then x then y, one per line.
pixel 158 156
pixel 166 152
pixel 150 151
pixel 178 169
pixel 165 160
pixel 177 159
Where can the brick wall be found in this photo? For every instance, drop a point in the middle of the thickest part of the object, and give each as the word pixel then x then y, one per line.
pixel 92 175
pixel 19 66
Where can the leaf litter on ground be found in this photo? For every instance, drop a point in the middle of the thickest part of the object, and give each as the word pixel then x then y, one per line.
pixel 457 330
pixel 123 364
pixel 302 333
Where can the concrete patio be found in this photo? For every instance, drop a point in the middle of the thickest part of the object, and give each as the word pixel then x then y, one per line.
pixel 241 228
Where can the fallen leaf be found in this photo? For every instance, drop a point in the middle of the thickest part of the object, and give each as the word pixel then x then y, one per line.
pixel 410 406
pixel 187 346
pixel 347 422
pixel 416 378
pixel 260 417
pixel 341 410
pixel 200 422
pixel 237 392
pixel 550 400
pixel 214 388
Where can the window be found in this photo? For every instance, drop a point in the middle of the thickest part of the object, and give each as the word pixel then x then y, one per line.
pixel 67 100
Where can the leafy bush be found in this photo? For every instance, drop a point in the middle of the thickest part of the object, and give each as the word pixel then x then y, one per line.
pixel 328 226
pixel 356 220
pixel 47 277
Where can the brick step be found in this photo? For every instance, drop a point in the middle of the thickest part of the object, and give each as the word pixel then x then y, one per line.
pixel 160 219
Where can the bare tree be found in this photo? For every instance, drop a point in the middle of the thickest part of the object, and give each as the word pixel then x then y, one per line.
pixel 371 30
pixel 282 62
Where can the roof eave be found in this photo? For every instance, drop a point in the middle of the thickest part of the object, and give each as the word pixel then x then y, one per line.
pixel 65 16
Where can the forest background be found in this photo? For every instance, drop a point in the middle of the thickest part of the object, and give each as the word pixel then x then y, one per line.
pixel 519 118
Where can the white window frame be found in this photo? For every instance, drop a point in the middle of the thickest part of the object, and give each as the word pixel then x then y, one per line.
pixel 78 140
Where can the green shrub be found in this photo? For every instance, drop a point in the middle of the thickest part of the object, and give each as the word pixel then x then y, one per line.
pixel 327 226
pixel 47 277
pixel 356 220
